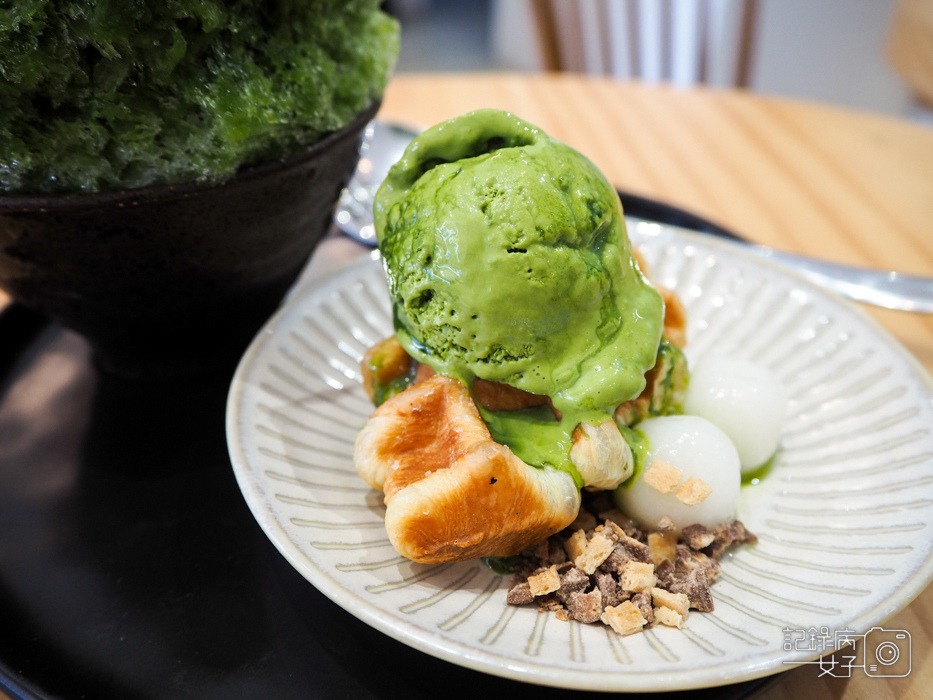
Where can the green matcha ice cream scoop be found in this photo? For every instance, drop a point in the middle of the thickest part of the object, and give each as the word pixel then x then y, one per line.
pixel 508 260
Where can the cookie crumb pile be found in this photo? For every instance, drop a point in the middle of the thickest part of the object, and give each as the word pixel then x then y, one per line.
pixel 603 568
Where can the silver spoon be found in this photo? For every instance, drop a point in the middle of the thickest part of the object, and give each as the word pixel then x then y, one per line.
pixel 383 144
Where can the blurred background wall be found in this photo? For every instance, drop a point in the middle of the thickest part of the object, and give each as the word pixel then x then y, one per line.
pixel 830 50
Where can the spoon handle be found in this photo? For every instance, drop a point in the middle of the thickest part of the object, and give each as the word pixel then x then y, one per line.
pixel 889 290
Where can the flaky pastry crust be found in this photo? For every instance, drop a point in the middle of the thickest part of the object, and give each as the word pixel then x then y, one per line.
pixel 451 492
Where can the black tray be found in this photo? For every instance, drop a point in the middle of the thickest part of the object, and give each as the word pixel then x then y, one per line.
pixel 131 567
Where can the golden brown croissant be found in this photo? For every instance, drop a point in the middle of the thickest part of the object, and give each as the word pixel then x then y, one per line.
pixel 451 492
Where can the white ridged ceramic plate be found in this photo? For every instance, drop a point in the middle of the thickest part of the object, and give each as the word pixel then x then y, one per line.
pixel 843 519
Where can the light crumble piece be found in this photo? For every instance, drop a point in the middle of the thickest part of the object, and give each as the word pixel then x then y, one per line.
pixel 661 476
pixel 637 577
pixel 575 545
pixel 595 553
pixel 678 602
pixel 693 492
pixel 671 618
pixel 624 618
pixel 662 546
pixel 545 582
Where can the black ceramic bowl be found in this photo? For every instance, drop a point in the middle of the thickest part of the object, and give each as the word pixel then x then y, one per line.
pixel 174 279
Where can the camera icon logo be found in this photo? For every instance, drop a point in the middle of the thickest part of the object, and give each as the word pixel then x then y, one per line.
pixel 887 653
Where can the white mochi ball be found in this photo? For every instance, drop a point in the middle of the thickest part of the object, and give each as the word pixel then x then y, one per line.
pixel 691 474
pixel 744 400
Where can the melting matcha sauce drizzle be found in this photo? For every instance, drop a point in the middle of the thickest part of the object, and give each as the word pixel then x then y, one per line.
pixel 507 260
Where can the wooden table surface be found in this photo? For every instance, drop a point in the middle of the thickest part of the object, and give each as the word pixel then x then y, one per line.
pixel 846 186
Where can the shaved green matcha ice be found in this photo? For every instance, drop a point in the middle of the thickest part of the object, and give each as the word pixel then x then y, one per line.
pixel 508 260
pixel 104 95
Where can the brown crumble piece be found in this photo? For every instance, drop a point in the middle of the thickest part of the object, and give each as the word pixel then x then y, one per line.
pixel 586 607
pixel 615 563
pixel 664 572
pixel 572 581
pixel 609 588
pixel 614 573
pixel 728 535
pixel 519 594
pixel 697 536
pixel 696 586
pixel 626 546
pixel 643 602
pixel 689 559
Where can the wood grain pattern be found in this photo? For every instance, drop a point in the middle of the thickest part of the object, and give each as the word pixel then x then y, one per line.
pixel 838 184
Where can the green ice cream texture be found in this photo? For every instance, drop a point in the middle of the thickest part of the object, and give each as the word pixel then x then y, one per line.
pixel 507 259
pixel 129 93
